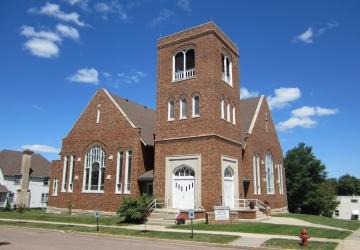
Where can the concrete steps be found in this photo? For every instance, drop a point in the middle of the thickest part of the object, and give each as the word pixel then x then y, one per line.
pixel 162 217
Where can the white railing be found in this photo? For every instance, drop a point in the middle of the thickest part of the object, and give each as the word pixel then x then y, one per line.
pixel 245 203
pixel 157 203
pixel 2 204
pixel 182 75
pixel 226 78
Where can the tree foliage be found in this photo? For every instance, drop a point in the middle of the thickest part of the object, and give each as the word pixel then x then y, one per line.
pixel 306 182
pixel 348 185
pixel 134 210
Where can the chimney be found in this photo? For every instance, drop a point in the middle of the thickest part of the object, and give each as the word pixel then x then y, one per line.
pixel 23 193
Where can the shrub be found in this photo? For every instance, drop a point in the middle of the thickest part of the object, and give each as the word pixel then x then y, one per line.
pixel 180 219
pixel 8 205
pixel 134 210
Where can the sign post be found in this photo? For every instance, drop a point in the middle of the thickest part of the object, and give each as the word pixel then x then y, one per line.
pixel 191 217
pixel 97 215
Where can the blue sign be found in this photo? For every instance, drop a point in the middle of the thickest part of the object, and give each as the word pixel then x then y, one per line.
pixel 191 214
pixel 97 214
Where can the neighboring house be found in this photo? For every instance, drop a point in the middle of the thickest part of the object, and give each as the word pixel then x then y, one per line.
pixel 24 178
pixel 202 146
pixel 348 209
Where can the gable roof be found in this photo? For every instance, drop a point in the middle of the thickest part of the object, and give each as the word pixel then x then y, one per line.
pixel 249 109
pixel 138 116
pixel 3 189
pixel 11 160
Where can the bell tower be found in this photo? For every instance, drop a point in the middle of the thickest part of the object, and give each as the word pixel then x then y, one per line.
pixel 197 117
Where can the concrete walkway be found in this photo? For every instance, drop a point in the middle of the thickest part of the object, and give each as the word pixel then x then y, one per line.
pixel 251 240
pixel 298 222
pixel 352 242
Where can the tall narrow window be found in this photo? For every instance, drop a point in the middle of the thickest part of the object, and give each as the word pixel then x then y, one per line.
pixel 184 65
pixel 119 167
pixel 226 69
pixel 196 106
pixel 222 109
pixel 128 171
pixel 228 113
pixel 269 169
pixel 233 115
pixel 171 110
pixel 55 186
pixel 256 171
pixel 183 108
pixel 94 170
pixel 280 179
pixel 71 173
pixel 98 114
pixel 65 174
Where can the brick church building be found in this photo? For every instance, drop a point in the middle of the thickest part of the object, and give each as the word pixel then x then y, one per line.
pixel 200 148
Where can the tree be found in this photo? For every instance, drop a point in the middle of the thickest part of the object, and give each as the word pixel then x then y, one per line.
pixel 134 210
pixel 348 185
pixel 306 182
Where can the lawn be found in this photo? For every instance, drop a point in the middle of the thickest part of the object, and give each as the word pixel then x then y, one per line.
pixel 41 215
pixel 294 244
pixel 266 228
pixel 346 224
pixel 210 238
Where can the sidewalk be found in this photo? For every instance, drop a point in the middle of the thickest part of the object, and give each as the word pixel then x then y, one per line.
pixel 351 242
pixel 247 239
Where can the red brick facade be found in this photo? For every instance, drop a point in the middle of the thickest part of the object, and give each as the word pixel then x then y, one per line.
pixel 208 136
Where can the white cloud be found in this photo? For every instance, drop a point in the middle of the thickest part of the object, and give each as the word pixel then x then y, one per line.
pixel 86 75
pixel 164 15
pixel 184 5
pixel 307 111
pixel 292 122
pixel 114 7
pixel 29 31
pixel 53 10
pixel 305 37
pixel 134 77
pixel 83 4
pixel 308 35
pixel 246 94
pixel 68 31
pixel 42 47
pixel 41 148
pixel 283 97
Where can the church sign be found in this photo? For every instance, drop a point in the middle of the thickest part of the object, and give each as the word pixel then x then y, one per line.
pixel 222 213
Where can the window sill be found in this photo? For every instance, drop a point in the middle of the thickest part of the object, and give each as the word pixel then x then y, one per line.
pixel 171 120
pixel 195 116
pixel 127 192
pixel 92 192
pixel 118 192
pixel 182 118
pixel 54 195
pixel 184 79
pixel 227 83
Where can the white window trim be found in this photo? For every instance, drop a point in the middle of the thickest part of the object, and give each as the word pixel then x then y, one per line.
pixel 101 166
pixel 228 118
pixel 63 183
pixel 181 108
pixel 55 187
pixel 280 179
pixel 259 174
pixel 169 110
pixel 118 165
pixel 98 114
pixel 270 189
pixel 71 173
pixel 184 66
pixel 233 115
pixel 222 109
pixel 193 106
pixel 126 190
pixel 224 74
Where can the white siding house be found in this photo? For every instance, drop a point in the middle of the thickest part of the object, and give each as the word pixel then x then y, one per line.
pixel 348 208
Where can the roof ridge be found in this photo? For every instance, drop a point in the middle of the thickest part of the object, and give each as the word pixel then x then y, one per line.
pixel 131 101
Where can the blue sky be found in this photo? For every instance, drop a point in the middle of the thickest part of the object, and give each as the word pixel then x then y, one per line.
pixel 303 55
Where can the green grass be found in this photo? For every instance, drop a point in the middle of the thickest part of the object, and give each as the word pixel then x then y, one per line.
pixel 267 228
pixel 210 238
pixel 294 244
pixel 41 215
pixel 346 224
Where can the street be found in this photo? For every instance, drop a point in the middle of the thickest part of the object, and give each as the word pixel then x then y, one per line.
pixel 28 239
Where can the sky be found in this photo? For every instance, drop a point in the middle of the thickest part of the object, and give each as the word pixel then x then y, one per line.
pixel 304 56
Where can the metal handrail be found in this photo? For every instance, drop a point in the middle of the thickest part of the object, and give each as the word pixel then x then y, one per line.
pixel 245 203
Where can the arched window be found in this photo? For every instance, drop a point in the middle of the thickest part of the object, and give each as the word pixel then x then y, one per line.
pixel 184 171
pixel 119 170
pixel 171 110
pixel 94 174
pixel 226 69
pixel 233 115
pixel 228 113
pixel 269 170
pixel 222 108
pixel 280 178
pixel 228 173
pixel 184 65
pixel 256 174
pixel 128 171
pixel 196 106
pixel 183 108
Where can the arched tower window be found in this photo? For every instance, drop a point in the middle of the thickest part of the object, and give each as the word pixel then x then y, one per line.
pixel 184 64
pixel 226 69
pixel 269 170
pixel 171 110
pixel 94 174
pixel 222 108
pixel 196 106
pixel 183 108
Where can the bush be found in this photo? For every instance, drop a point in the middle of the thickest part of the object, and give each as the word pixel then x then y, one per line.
pixel 134 210
pixel 8 205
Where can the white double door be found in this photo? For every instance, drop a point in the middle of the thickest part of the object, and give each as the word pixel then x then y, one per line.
pixel 229 192
pixel 183 193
